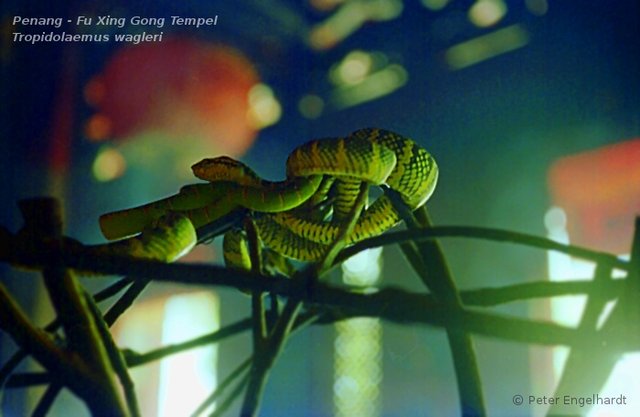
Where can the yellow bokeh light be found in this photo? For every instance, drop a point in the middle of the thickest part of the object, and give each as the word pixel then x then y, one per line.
pixel 376 85
pixel 352 69
pixel 485 13
pixel 264 109
pixel 487 46
pixel 350 17
pixel 434 4
pixel 355 67
pixel 108 165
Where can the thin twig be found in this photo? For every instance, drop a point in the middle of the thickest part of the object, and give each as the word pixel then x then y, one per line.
pixel 126 301
pixel 112 289
pixel 399 306
pixel 217 392
pixel 264 360
pixel 590 365
pixel 47 400
pixel 434 271
pixel 257 297
pixel 489 297
pixel 580 357
pixel 115 357
pixel 16 359
pixel 328 298
pixel 10 366
pixel 484 233
pixel 37 343
pixel 43 221
pixel 235 394
pixel 415 312
pixel 137 359
pixel 110 317
pixel 134 359
pixel 390 304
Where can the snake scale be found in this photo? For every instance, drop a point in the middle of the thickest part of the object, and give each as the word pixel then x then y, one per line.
pixel 301 215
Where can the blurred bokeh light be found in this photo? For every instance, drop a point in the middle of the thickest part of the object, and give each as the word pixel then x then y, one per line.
pixel 182 87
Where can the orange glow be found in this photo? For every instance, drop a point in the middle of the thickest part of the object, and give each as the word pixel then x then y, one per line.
pixel 599 192
pixel 181 87
pixel 323 38
pixel 95 91
pixel 325 5
pixel 98 128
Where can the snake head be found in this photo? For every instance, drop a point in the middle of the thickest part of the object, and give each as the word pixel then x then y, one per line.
pixel 224 168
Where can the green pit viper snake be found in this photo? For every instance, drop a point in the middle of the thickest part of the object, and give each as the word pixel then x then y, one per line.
pixel 301 215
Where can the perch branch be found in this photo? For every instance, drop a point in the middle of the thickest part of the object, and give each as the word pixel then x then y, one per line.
pixel 413 308
pixel 432 267
pixel 265 359
pixel 398 306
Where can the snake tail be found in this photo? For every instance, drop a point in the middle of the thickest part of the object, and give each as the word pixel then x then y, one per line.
pixel 124 223
pixel 170 238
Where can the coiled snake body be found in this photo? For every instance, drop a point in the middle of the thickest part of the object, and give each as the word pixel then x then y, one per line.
pixel 302 214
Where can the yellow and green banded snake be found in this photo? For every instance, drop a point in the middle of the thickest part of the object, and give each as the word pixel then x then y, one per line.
pixel 165 240
pixel 301 215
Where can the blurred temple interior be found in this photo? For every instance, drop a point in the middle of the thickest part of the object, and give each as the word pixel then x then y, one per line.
pixel 530 107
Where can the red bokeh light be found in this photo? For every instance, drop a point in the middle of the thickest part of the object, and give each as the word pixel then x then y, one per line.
pixel 182 87
pixel 600 192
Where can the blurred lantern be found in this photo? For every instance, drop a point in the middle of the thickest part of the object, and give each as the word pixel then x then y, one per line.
pixel 180 88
